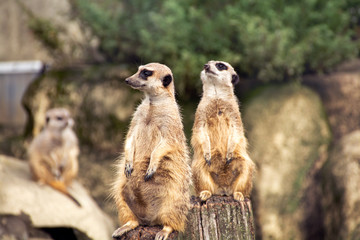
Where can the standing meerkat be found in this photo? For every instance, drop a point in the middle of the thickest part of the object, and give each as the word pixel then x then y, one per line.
pixel 221 164
pixel 153 174
pixel 53 153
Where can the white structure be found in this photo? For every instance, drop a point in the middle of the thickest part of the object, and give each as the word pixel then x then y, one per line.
pixel 15 77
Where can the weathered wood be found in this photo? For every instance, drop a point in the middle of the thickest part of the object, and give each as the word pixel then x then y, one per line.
pixel 145 233
pixel 218 218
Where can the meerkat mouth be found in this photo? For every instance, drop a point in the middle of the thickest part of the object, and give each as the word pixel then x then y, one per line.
pixel 207 69
pixel 210 72
pixel 135 85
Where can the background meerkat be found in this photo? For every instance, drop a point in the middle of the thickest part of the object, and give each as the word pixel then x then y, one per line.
pixel 53 153
pixel 221 164
pixel 153 175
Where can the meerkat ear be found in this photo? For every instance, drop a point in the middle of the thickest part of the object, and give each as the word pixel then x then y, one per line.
pixel 167 80
pixel 235 79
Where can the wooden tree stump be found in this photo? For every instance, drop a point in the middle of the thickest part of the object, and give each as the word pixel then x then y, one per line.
pixel 217 218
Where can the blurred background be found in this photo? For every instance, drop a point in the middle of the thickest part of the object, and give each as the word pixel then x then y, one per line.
pixel 299 67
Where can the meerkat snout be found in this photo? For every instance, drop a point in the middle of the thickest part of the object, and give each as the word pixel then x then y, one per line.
pixel 206 67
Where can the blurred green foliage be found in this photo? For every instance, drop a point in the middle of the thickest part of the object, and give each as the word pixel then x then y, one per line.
pixel 272 40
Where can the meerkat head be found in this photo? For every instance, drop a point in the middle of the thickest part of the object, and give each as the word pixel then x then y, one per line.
pixel 153 78
pixel 58 119
pixel 219 73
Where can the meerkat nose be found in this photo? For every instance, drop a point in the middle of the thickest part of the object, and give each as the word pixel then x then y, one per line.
pixel 127 81
pixel 207 67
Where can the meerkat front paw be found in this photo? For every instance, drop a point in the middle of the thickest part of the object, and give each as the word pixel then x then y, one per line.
pixel 130 225
pixel 207 157
pixel 229 157
pixel 205 195
pixel 128 169
pixel 149 173
pixel 238 196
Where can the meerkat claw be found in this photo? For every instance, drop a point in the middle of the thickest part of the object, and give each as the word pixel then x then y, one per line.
pixel 149 174
pixel 205 195
pixel 207 157
pixel 121 231
pixel 128 170
pixel 161 236
pixel 248 203
pixel 238 196
pixel 164 233
pixel 229 158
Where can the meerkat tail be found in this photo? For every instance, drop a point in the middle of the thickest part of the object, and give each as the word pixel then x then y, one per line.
pixel 60 186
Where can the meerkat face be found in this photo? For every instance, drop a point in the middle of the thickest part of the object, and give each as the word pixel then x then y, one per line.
pixel 219 73
pixel 153 78
pixel 58 119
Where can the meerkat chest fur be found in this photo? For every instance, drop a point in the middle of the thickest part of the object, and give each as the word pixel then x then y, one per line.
pixel 220 109
pixel 155 120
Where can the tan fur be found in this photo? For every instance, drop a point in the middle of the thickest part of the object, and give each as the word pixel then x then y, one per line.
pixel 153 174
pixel 218 139
pixel 53 153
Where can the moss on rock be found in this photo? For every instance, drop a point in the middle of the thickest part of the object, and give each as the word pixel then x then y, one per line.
pixel 341 184
pixel 287 131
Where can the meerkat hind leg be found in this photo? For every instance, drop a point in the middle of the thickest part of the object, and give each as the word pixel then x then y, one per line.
pixel 206 185
pixel 164 233
pixel 130 225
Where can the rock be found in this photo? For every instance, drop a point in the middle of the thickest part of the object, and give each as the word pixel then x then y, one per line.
pixel 46 31
pixel 47 207
pixel 341 185
pixel 100 103
pixel 288 134
pixel 340 92
pixel 19 227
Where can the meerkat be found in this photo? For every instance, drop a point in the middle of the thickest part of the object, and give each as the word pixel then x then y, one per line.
pixel 153 174
pixel 53 153
pixel 221 164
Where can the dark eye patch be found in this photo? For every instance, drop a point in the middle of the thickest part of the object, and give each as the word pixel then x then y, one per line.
pixel 59 118
pixel 47 119
pixel 220 66
pixel 167 80
pixel 144 74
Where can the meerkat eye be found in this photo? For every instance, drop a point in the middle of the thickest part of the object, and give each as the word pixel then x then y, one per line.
pixel 59 118
pixel 47 119
pixel 220 66
pixel 144 74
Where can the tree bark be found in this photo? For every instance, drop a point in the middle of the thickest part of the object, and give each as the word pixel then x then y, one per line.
pixel 218 218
